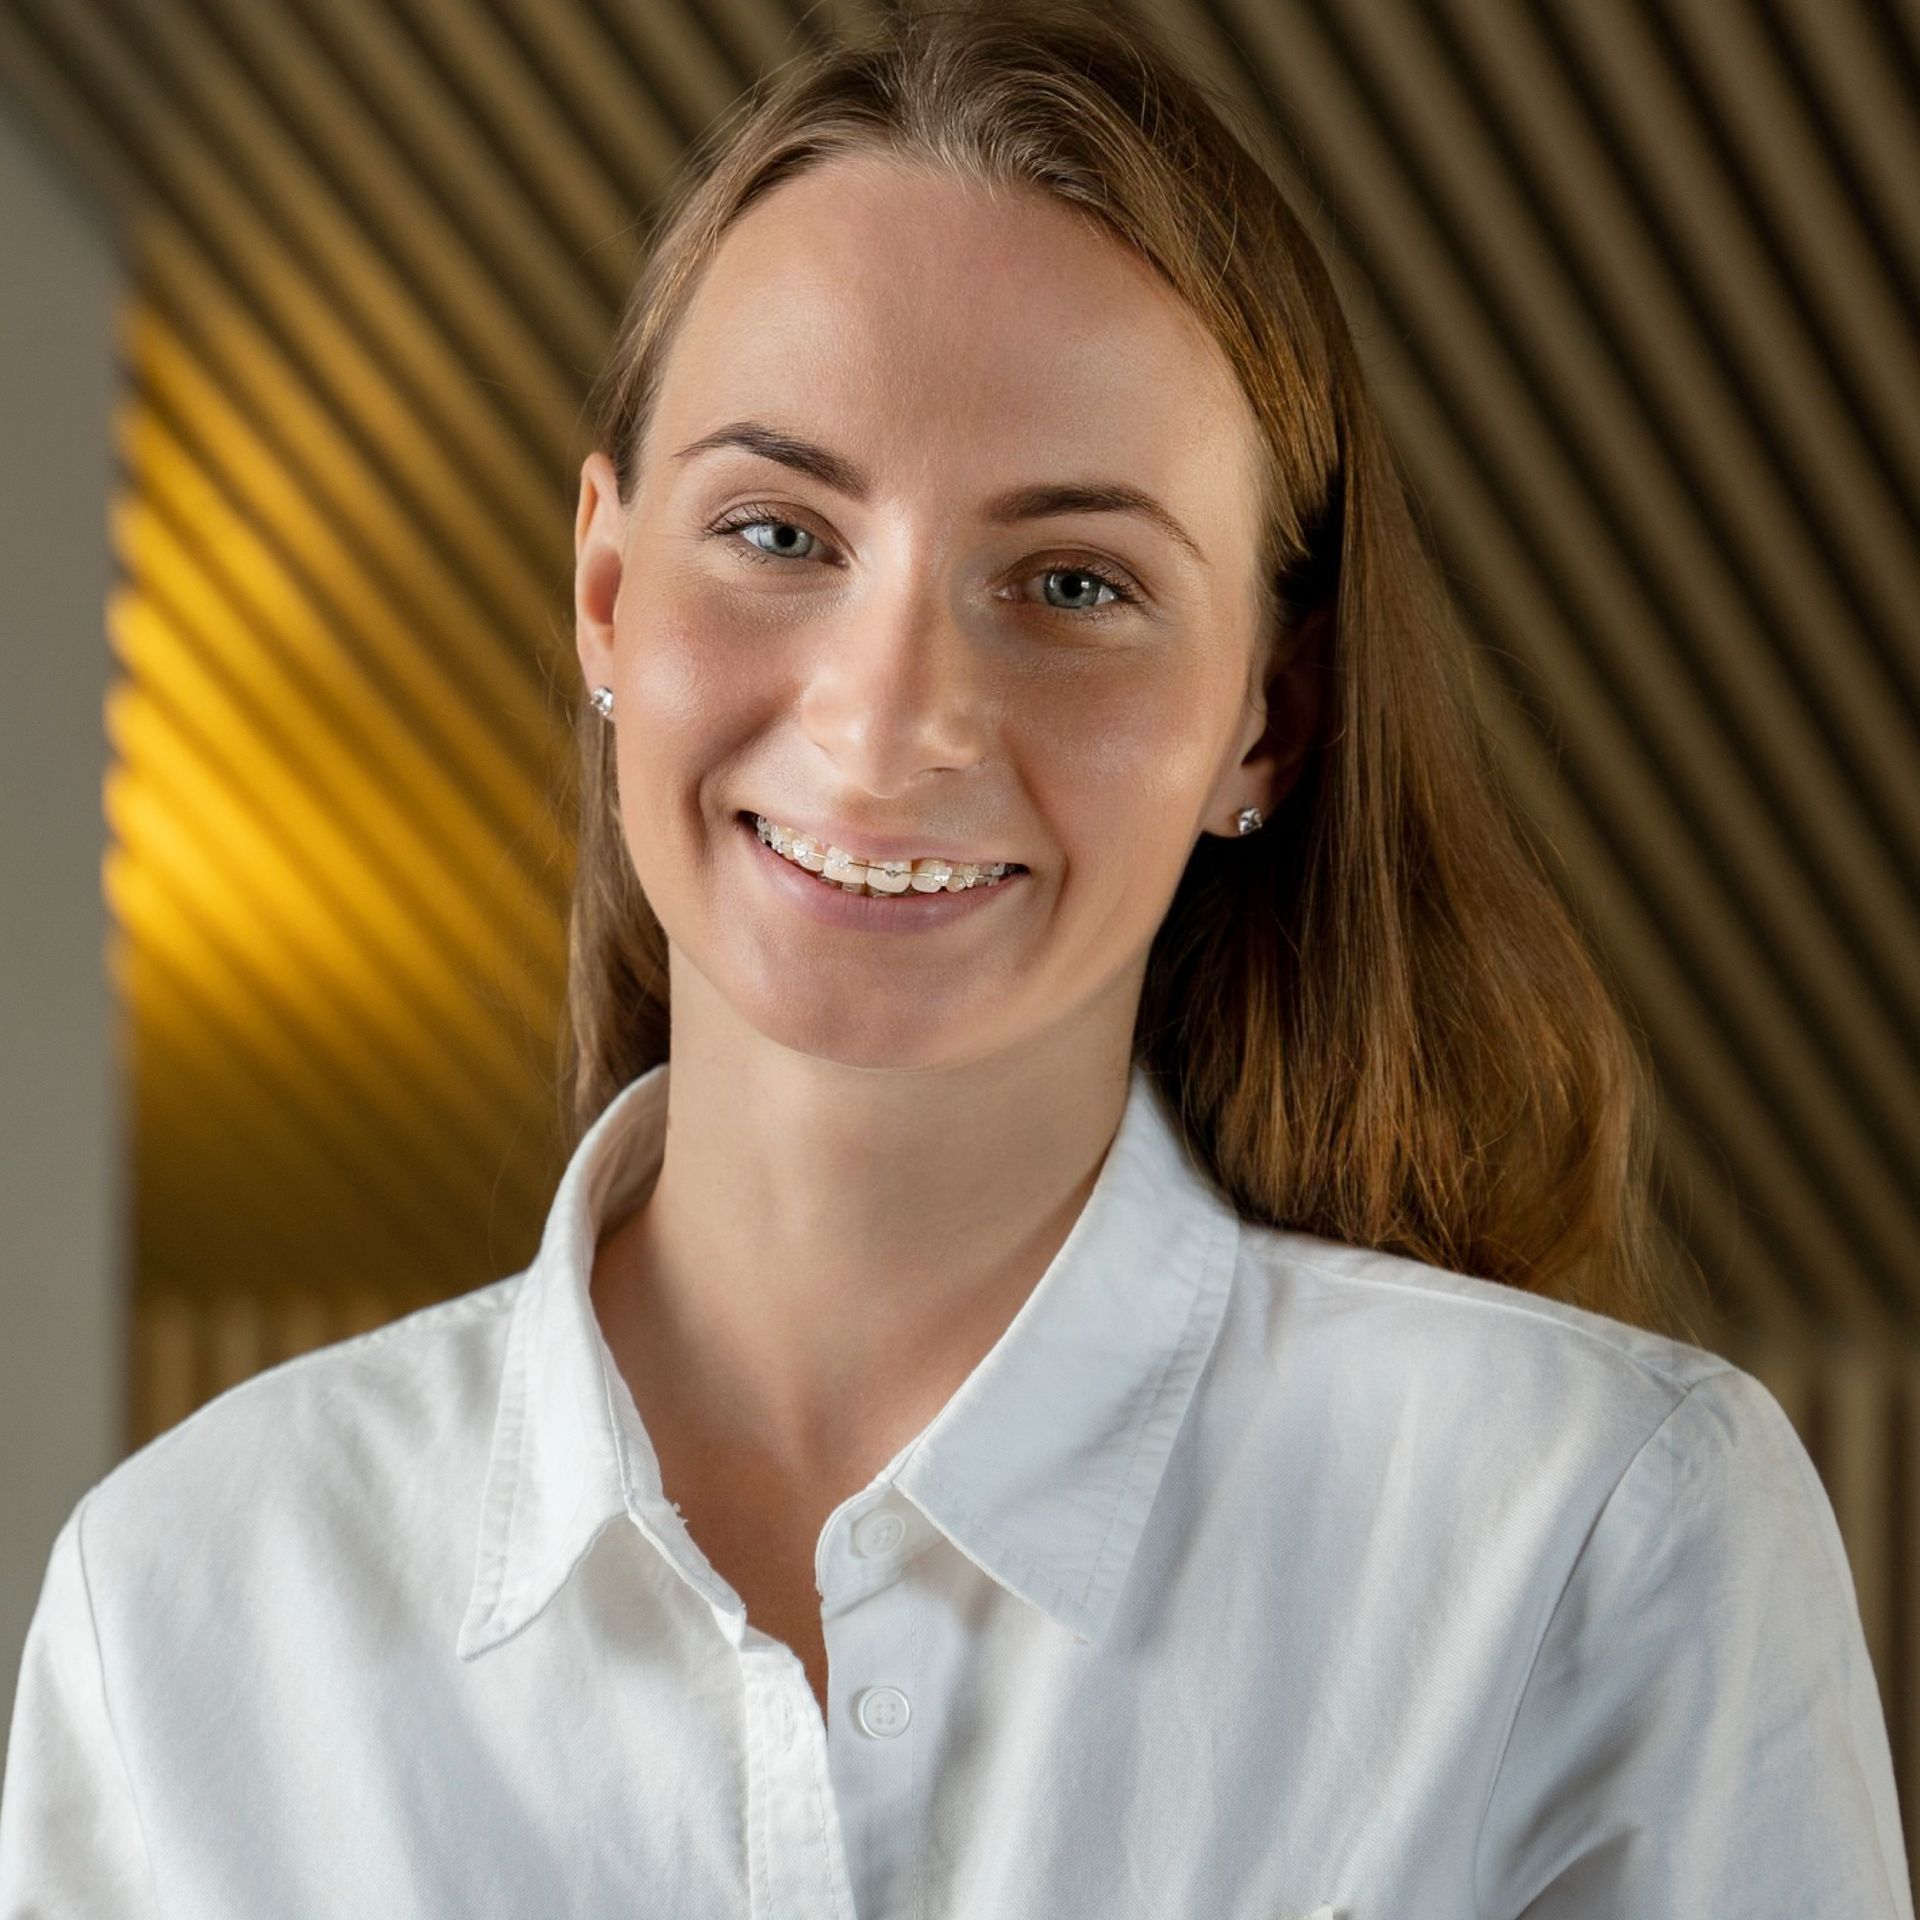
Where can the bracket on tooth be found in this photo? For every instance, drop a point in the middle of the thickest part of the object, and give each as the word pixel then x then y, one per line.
pixel 839 868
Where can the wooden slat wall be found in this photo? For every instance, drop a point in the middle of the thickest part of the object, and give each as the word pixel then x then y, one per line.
pixel 1637 286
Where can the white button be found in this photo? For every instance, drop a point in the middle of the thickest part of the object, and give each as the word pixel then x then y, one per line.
pixel 878 1532
pixel 884 1712
pixel 786 1721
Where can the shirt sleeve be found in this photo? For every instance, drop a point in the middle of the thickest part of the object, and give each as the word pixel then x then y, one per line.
pixel 1700 1733
pixel 70 1836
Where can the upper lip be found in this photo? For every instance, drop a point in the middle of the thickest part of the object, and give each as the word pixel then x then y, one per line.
pixel 864 844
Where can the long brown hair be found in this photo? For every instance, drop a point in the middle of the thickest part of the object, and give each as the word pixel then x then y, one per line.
pixel 1377 1022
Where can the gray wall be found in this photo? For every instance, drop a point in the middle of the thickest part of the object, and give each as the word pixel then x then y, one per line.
pixel 63 1267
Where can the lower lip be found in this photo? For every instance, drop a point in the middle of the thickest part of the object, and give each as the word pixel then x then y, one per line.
pixel 834 906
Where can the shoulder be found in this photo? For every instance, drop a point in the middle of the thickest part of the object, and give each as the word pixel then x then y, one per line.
pixel 1481 1370
pixel 1495 1433
pixel 347 1432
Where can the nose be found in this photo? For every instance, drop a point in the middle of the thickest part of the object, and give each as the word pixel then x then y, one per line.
pixel 898 690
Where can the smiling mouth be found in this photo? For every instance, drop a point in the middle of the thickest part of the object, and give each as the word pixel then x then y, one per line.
pixel 835 867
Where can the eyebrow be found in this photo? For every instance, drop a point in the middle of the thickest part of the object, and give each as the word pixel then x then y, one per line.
pixel 1036 502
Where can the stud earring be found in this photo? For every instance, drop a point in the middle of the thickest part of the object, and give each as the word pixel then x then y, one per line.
pixel 1249 819
pixel 602 702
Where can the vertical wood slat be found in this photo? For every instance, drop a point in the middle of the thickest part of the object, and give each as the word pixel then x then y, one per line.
pixel 191 1347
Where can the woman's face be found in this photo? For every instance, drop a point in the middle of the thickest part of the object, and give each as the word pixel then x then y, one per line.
pixel 888 645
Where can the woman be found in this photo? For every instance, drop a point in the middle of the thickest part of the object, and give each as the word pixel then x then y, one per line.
pixel 1122 1370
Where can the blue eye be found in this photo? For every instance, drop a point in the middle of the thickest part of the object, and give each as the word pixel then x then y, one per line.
pixel 743 519
pixel 750 517
pixel 1121 597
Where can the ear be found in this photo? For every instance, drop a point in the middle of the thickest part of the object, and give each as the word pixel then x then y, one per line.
pixel 599 557
pixel 1285 726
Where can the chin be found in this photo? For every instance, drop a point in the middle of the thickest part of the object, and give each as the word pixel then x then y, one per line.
pixel 909 1044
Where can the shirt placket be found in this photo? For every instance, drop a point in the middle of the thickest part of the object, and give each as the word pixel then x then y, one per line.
pixel 883 1707
pixel 836 1817
pixel 796 1859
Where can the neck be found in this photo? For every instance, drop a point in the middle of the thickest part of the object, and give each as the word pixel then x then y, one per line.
pixel 828 1250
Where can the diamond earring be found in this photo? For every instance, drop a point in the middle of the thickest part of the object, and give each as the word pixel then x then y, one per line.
pixel 1249 818
pixel 602 701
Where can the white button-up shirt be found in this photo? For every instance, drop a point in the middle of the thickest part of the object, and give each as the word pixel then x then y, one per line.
pixel 1249 1576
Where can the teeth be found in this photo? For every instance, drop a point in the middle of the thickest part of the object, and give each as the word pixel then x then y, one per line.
pixel 838 867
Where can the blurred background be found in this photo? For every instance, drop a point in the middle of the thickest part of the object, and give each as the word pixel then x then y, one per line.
pixel 299 301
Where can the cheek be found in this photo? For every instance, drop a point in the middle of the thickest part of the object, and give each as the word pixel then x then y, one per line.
pixel 684 703
pixel 692 671
pixel 1129 769
pixel 676 667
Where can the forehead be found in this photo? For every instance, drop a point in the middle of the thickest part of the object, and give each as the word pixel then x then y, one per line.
pixel 931 323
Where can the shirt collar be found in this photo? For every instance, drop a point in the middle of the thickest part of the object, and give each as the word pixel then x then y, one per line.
pixel 1040 1468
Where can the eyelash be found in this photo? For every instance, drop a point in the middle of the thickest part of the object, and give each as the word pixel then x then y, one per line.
pixel 760 516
